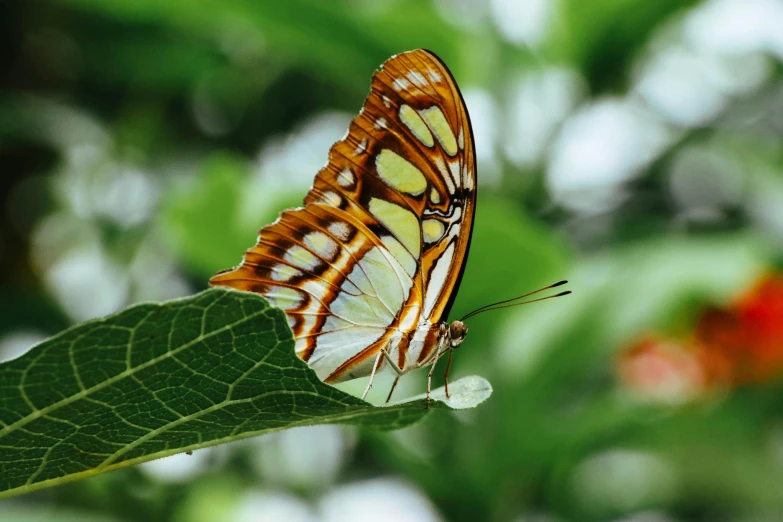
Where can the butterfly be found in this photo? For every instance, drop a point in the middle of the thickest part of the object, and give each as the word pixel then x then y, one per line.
pixel 369 267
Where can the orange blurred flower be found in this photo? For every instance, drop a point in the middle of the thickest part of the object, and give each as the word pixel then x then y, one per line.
pixel 731 346
pixel 750 333
pixel 663 370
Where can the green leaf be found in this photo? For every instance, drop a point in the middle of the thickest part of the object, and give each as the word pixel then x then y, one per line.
pixel 159 379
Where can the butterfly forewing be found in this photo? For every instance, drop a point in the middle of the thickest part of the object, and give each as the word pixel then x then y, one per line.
pixel 374 257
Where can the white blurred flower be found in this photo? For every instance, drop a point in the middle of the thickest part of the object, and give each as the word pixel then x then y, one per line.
pixel 765 199
pixel 15 344
pixel 92 184
pixel 272 506
pixel 379 500
pixel 538 103
pixel 294 159
pixel 87 283
pixel 484 120
pixel 691 88
pixel 716 51
pixel 702 178
pixel 623 480
pixel 600 147
pixel 677 84
pixel 155 275
pixel 63 126
pixel 524 22
pixel 737 26
pixel 287 164
pixel 468 15
pixel 306 457
pixel 179 468
pixel 128 198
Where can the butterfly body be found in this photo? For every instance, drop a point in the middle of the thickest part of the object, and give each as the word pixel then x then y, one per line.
pixel 368 268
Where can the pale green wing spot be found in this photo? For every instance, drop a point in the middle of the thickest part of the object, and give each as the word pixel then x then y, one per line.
pixel 432 230
pixel 399 173
pixel 402 223
pixel 438 124
pixel 411 119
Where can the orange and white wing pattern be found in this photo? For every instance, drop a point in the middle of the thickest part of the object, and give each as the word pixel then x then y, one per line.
pixel 374 258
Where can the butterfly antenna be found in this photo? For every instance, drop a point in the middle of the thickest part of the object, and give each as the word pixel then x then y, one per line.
pixel 508 303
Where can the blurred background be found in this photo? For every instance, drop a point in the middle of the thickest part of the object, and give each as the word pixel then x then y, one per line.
pixel 633 147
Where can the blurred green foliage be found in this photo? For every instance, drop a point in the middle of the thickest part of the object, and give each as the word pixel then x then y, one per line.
pixel 633 147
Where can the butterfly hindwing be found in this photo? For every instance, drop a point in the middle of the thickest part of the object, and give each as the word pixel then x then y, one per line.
pixel 380 245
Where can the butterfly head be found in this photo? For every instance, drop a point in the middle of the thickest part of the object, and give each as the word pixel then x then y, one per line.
pixel 457 333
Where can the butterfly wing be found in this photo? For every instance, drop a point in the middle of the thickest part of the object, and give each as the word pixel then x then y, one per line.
pixel 379 247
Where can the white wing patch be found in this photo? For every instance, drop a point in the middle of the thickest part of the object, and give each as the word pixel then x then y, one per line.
pixel 331 199
pixel 284 297
pixel 338 346
pixel 445 175
pixel 454 168
pixel 417 78
pixel 283 272
pixel 346 178
pixel 361 147
pixel 321 244
pixel 357 321
pixel 400 84
pixel 340 230
pixel 437 278
pixel 301 257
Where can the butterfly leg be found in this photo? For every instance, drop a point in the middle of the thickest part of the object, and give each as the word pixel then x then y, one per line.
pixel 372 375
pixel 394 385
pixel 396 369
pixel 383 352
pixel 429 375
pixel 446 375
